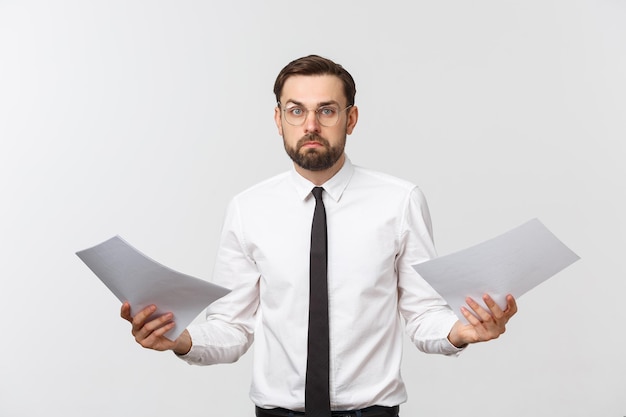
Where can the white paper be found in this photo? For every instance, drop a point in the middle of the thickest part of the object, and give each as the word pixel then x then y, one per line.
pixel 512 263
pixel 134 277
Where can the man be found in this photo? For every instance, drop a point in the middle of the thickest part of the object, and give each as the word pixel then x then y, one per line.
pixel 378 226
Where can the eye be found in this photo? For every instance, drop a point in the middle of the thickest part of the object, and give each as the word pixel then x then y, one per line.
pixel 327 111
pixel 295 111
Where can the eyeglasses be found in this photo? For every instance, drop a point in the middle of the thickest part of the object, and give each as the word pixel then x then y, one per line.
pixel 327 116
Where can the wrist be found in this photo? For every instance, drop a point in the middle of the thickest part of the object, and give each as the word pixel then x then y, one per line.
pixel 183 344
pixel 455 338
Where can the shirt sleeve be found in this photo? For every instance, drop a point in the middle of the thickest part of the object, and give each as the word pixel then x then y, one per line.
pixel 428 317
pixel 228 330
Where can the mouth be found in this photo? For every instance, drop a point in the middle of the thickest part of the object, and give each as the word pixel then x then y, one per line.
pixel 311 144
pixel 312 141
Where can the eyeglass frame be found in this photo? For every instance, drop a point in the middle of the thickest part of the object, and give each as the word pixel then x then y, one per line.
pixel 316 111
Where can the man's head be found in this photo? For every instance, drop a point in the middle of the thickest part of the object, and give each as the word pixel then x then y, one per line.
pixel 315 111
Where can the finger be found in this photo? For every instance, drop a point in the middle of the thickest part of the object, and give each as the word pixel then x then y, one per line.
pixel 160 332
pixel 511 305
pixel 141 317
pixel 471 318
pixel 125 312
pixel 153 326
pixel 482 314
pixel 156 340
pixel 494 308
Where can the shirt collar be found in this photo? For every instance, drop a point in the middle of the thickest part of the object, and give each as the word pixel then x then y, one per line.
pixel 334 187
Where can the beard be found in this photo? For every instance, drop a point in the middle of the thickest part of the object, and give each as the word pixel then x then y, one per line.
pixel 315 159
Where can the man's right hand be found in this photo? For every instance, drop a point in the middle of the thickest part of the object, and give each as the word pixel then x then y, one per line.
pixel 150 334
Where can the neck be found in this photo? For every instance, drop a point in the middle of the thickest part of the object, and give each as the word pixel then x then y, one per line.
pixel 320 177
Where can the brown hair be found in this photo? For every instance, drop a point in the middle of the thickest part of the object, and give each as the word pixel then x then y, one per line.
pixel 316 65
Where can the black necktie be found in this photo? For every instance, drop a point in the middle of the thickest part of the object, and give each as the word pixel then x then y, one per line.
pixel 316 395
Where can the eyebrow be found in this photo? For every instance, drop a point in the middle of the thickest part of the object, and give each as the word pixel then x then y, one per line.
pixel 321 104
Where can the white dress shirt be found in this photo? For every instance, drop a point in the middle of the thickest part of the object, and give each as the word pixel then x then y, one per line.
pixel 378 226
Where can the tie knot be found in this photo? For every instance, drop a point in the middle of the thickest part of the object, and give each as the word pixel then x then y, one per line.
pixel 317 193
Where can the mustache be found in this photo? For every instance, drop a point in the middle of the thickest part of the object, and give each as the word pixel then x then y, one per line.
pixel 312 137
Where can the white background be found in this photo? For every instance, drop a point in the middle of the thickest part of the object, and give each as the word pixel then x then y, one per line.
pixel 143 118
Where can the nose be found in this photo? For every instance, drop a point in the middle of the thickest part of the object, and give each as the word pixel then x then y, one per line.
pixel 311 124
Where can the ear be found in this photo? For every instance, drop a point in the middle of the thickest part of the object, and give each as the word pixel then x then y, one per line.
pixel 277 120
pixel 353 117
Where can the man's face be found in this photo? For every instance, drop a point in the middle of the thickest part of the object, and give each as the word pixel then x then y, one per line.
pixel 311 145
